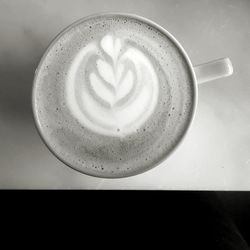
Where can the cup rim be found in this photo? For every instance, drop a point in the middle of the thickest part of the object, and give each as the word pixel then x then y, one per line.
pixel 177 44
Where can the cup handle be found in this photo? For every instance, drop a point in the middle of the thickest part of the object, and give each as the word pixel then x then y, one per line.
pixel 213 70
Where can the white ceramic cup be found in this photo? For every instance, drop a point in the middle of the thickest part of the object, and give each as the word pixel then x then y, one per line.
pixel 200 74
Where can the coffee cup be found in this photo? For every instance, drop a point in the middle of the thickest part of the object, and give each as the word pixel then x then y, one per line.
pixel 115 94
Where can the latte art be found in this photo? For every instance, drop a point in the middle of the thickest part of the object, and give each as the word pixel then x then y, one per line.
pixel 112 87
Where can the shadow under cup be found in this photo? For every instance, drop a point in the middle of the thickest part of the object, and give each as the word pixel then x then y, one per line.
pixel 148 55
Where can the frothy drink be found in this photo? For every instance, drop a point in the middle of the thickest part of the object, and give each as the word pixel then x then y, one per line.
pixel 113 96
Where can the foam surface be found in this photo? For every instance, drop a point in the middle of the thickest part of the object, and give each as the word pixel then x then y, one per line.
pixel 113 96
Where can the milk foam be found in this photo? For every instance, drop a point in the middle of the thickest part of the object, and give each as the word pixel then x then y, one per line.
pixel 104 78
pixel 112 87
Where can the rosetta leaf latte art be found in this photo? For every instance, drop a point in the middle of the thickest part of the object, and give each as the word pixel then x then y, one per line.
pixel 120 88
pixel 111 71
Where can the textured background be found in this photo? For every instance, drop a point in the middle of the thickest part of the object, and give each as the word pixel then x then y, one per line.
pixel 216 152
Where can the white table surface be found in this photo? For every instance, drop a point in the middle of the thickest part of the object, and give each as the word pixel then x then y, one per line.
pixel 216 152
